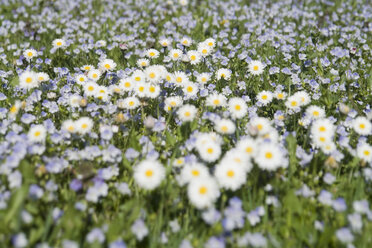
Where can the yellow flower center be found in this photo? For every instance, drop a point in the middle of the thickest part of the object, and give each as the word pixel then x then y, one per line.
pixel 255 68
pixel 13 109
pixel 237 107
pixel 192 57
pixel 59 43
pixel 149 173
pixel 210 44
pixel 224 129
pixel 70 128
pixel 203 190
pixel 94 75
pixel 137 78
pixel 268 155
pixel 322 129
pixel 264 97
pixel 141 88
pixel 366 152
pixel 187 113
pixel 204 51
pixel 216 102
pixel 362 126
pixel 230 173
pixel 28 80
pixel 152 89
pixel 195 173
pixel 84 126
pixel 37 133
pixel 293 103
pixel 259 127
pixel 280 95
pixel 189 89
pixel 90 88
pixel 152 75
pixel 29 54
pixel 131 103
pixel 176 55
pixel 179 79
pixel 315 113
pixel 152 54
pixel 249 149
pixel 210 150
pixel 322 139
pixel 107 66
pixel 126 84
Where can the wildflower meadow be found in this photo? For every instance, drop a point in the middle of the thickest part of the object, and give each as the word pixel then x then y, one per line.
pixel 185 123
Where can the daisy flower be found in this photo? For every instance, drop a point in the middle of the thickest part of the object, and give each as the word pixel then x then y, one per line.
pixel 87 67
pixel 126 84
pixel 315 112
pixel 261 125
pixel 203 78
pixel 364 152
pixel 30 53
pixel 74 100
pixel 362 125
pixel 255 67
pixel 237 107
pixel 58 43
pixel 28 80
pixel 215 100
pixel 247 146
pixel 322 126
pixel 223 73
pixel 143 62
pixel 131 102
pixel 81 79
pixel 229 176
pixel 204 50
pixel 280 95
pixel 165 42
pixel 42 77
pixel 264 97
pixel 69 126
pixel 186 41
pixel 209 151
pixel 194 57
pixel 15 108
pixel 270 157
pixel 149 174
pixel 174 101
pixel 238 158
pixel 180 78
pixel 153 91
pixel 187 112
pixel 37 133
pixel 152 53
pixel 224 126
pixel 107 65
pixel 210 42
pixel 203 192
pixel 138 76
pixel 90 88
pixel 175 54
pixel 140 89
pixel 115 88
pixel 153 74
pixel 190 89
pixel 84 125
pixel 293 102
pixel 94 74
pixel 192 172
pixel 303 96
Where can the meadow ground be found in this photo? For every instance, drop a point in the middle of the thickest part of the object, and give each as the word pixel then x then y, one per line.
pixel 185 123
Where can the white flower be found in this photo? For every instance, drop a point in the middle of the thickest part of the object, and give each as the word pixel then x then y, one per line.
pixel 141 89
pixel 30 53
pixel 69 126
pixel 303 97
pixel 154 73
pixel 186 41
pixel 194 57
pixel 255 67
pixel 270 157
pixel 261 125
pixel 37 133
pixel 265 97
pixel 28 80
pixel 192 172
pixel 180 78
pixel 175 54
pixel 87 67
pixel 293 102
pixel 143 62
pixel 247 146
pixel 152 53
pixel 153 91
pixel 322 126
pixel 173 101
pixel 42 77
pixel 238 107
pixel 224 126
pixel 84 125
pixel 203 192
pixel 239 158
pixel 58 43
pixel 126 84
pixel 190 89
pixel 203 77
pixel 364 152
pixel 210 42
pixel 165 42
pixel 280 95
pixel 107 65
pixel 223 73
pixel 362 125
pixel 209 151
pixel 74 100
pixel 131 102
pixel 216 100
pixel 94 74
pixel 230 176
pixel 149 174
pixel 315 112
pixel 187 112
pixel 138 76
pixel 204 50
pixel 90 88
